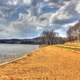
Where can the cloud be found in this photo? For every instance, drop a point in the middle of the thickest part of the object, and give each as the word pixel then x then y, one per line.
pixel 28 2
pixel 16 30
pixel 17 21
pixel 67 13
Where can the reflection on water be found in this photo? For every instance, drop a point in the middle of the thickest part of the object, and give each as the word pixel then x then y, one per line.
pixel 9 52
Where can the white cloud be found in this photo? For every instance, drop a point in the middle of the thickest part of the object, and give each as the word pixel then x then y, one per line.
pixel 78 7
pixel 12 2
pixel 28 26
pixel 28 2
pixel 67 12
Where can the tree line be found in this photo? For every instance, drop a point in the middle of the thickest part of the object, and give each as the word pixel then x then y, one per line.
pixel 74 33
pixel 51 37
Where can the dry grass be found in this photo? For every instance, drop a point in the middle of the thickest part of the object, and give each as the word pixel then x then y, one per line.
pixel 48 63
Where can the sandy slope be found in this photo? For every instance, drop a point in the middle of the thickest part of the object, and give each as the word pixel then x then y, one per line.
pixel 49 63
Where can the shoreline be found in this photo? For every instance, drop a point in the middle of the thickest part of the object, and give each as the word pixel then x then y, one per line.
pixel 26 55
pixel 46 63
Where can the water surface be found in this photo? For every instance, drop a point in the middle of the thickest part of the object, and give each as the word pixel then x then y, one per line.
pixel 10 52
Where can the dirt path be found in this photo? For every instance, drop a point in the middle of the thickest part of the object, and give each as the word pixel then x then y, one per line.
pixel 49 63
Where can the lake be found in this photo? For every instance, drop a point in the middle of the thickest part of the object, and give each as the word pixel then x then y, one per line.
pixel 10 52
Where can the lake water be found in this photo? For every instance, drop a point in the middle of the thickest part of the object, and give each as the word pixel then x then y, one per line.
pixel 10 52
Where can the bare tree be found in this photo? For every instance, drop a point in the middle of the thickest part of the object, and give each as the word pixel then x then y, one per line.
pixel 74 32
pixel 48 37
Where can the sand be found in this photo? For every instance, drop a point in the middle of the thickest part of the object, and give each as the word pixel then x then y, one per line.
pixel 48 63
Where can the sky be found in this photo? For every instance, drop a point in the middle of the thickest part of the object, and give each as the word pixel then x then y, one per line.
pixel 29 18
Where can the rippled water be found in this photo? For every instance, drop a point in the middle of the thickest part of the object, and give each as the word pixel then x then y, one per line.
pixel 10 52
